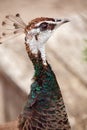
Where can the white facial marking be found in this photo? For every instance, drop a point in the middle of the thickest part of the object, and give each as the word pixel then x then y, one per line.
pixel 38 44
pixel 50 22
pixel 30 39
pixel 41 48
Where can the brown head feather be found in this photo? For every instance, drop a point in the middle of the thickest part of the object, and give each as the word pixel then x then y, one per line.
pixel 37 20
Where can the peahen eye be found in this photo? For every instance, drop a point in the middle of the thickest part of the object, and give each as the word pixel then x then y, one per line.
pixel 43 26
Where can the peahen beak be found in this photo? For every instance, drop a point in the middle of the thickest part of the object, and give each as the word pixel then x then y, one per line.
pixel 60 22
pixel 65 21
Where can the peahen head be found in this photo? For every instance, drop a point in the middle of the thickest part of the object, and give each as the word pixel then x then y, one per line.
pixel 39 30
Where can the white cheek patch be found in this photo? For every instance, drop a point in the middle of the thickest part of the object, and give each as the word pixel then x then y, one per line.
pixel 44 36
pixel 30 40
pixel 34 31
pixel 38 44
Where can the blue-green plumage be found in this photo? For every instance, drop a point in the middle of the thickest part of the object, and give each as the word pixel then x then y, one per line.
pixel 44 88
pixel 44 109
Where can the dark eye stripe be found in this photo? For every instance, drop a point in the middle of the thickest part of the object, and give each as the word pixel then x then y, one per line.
pixel 43 26
pixel 51 26
pixel 58 20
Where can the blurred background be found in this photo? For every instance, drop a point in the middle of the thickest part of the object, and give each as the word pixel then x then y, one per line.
pixel 66 51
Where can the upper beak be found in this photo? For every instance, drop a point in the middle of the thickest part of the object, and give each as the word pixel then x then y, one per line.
pixel 61 21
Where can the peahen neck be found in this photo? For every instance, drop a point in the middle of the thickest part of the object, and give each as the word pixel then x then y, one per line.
pixel 44 108
pixel 45 84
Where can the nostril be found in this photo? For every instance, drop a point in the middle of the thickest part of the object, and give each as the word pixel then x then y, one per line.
pixel 58 20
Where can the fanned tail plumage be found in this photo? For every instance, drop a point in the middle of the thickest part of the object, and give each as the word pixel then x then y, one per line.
pixel 11 27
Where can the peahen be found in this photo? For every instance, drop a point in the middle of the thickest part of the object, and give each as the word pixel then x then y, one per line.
pixel 44 109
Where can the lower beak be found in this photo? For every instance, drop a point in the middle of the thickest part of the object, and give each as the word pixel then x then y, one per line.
pixel 60 22
pixel 65 21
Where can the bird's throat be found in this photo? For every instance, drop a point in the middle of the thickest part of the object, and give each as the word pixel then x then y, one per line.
pixel 38 56
pixel 35 46
pixel 44 85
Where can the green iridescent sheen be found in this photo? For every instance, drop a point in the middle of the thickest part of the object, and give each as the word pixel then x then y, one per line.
pixel 44 108
pixel 44 88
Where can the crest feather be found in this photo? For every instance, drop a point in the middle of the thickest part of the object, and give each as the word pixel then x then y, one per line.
pixel 11 27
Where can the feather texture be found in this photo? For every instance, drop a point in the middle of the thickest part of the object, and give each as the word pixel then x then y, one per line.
pixel 45 109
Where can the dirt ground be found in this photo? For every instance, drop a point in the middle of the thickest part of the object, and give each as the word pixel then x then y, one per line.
pixel 64 52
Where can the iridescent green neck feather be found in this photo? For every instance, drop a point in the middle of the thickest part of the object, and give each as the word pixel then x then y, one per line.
pixel 45 87
pixel 44 109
